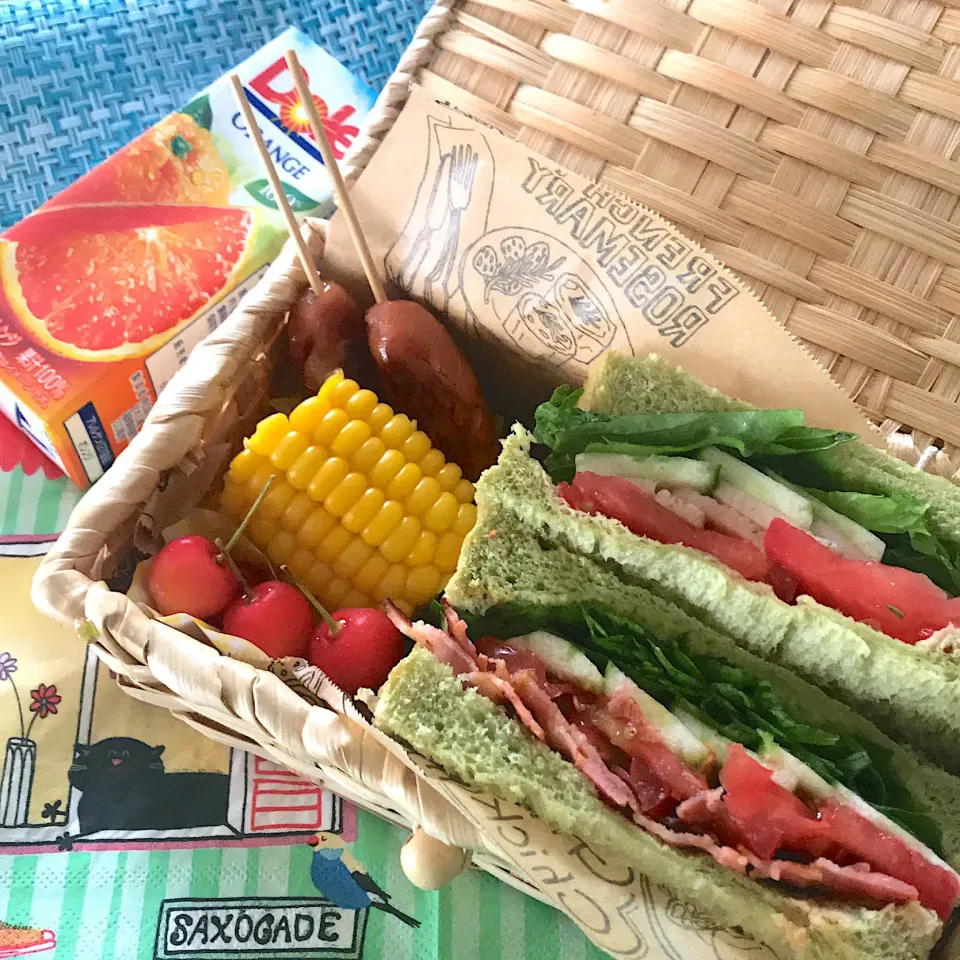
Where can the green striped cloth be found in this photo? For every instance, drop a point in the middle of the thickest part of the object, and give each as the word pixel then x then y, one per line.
pixel 114 904
pixel 33 504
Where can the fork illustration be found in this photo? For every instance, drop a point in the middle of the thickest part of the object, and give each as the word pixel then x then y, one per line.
pixel 463 173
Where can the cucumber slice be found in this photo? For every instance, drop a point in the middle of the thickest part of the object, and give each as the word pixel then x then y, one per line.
pixel 664 471
pixel 784 501
pixel 676 736
pixel 562 658
pixel 851 539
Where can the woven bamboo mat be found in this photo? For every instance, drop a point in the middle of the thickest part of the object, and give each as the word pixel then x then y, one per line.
pixel 808 144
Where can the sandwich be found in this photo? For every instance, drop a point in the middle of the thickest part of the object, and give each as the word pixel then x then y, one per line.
pixel 617 716
pixel 806 546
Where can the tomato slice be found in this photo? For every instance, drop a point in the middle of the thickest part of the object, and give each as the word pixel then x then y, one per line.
pixel 898 602
pixel 654 795
pixel 939 888
pixel 767 816
pixel 622 500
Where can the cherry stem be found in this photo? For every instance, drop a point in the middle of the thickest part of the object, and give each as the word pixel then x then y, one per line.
pixel 234 568
pixel 238 533
pixel 334 626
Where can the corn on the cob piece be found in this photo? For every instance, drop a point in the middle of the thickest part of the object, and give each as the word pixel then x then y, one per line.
pixel 364 507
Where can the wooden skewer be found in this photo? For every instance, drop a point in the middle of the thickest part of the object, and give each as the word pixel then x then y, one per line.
pixel 339 187
pixel 309 267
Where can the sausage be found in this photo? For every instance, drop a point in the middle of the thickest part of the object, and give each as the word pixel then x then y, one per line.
pixel 426 376
pixel 326 331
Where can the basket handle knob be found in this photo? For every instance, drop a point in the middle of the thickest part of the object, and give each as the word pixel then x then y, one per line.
pixel 430 863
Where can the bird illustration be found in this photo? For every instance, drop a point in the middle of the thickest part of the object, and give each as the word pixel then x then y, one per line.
pixel 342 879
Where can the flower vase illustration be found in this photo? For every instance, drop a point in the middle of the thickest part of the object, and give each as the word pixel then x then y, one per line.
pixel 20 758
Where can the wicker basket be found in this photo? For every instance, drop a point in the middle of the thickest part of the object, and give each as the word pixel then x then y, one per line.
pixel 731 118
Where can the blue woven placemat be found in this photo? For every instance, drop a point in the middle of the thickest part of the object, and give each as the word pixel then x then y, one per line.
pixel 80 78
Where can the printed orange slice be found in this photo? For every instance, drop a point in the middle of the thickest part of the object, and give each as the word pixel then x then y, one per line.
pixel 174 161
pixel 104 282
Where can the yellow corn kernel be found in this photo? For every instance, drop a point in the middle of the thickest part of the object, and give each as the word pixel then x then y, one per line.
pixel 392 584
pixel 386 468
pixel 282 547
pixel 244 465
pixel 379 417
pixel 431 463
pixel 330 384
pixel 305 467
pixel 317 578
pixel 316 527
pixel 268 434
pixel 423 550
pixel 262 529
pixel 365 459
pixel 301 561
pixel 464 491
pixel 417 446
pixel 424 496
pixel 326 479
pixel 383 524
pixel 290 446
pixel 333 544
pixel 398 545
pixel 396 430
pixel 356 554
pixel 443 514
pixel 448 551
pixel 342 392
pixel 422 584
pixel 371 573
pixel 353 600
pixel 401 486
pixel 448 476
pixel 234 500
pixel 299 508
pixel 334 593
pixel 345 494
pixel 277 500
pixel 364 510
pixel 466 518
pixel 306 416
pixel 350 439
pixel 361 404
pixel 330 426
pixel 259 480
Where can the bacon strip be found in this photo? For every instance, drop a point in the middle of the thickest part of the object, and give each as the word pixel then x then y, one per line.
pixel 857 882
pixel 497 689
pixel 444 647
pixel 571 742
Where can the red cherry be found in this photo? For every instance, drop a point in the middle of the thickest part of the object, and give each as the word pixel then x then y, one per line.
pixel 365 648
pixel 187 577
pixel 275 617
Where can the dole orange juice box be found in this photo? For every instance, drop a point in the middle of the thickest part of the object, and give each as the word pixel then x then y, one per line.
pixel 106 288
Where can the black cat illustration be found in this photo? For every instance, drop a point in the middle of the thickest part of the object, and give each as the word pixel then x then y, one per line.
pixel 124 786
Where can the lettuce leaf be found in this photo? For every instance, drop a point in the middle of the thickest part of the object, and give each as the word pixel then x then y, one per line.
pixel 569 430
pixel 729 699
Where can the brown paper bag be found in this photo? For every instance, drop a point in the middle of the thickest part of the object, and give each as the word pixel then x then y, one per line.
pixel 514 248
